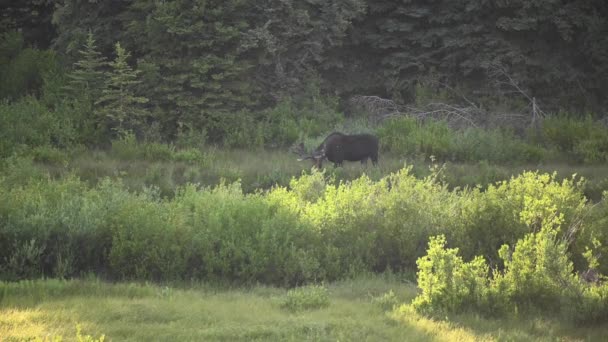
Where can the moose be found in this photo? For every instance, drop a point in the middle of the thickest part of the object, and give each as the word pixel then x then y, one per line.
pixel 338 147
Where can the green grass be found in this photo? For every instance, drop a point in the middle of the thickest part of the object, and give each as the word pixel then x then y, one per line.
pixel 143 312
pixel 262 169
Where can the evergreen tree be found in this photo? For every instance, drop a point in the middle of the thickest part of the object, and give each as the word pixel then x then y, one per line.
pixel 121 109
pixel 86 80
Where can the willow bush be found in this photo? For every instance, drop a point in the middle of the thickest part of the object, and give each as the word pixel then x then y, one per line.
pixel 314 229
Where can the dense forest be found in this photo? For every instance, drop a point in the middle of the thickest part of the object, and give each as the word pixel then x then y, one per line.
pixel 221 66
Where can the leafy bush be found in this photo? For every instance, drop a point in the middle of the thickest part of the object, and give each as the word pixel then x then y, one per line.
pixel 582 140
pixel 306 298
pixel 594 228
pixel 508 210
pixel 128 148
pixel 315 229
pixel 500 146
pixel 538 277
pixel 190 156
pixel 448 284
pixel 49 155
pixel 68 224
pixel 411 137
pixel 594 148
pixel 21 68
pixel 28 123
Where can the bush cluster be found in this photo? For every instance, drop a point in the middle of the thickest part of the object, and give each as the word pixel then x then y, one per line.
pixel 559 137
pixel 582 140
pixel 538 277
pixel 305 298
pixel 314 229
pixel 406 135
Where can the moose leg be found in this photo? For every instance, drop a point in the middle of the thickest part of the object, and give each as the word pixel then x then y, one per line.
pixel 375 160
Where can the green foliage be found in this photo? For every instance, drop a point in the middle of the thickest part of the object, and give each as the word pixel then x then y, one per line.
pixel 394 52
pixel 28 123
pixel 508 210
pixel 592 242
pixel 127 148
pixel 22 69
pixel 387 301
pixel 448 284
pixel 69 224
pixel 409 136
pixel 120 108
pixel 582 140
pixel 315 229
pixel 306 298
pixel 86 80
pixel 49 155
pixel 538 277
pixel 87 338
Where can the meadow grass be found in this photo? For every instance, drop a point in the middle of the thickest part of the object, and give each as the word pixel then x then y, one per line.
pixel 197 312
pixel 264 168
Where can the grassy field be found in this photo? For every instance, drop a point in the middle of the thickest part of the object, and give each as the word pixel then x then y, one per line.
pixel 262 169
pixel 356 311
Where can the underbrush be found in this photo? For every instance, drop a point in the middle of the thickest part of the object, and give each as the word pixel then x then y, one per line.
pixel 538 277
pixel 409 136
pixel 316 228
pixel 319 228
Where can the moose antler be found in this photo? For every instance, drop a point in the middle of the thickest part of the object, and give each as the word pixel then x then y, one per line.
pixel 301 152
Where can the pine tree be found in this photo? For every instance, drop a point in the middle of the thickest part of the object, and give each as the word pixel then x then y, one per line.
pixel 120 108
pixel 87 77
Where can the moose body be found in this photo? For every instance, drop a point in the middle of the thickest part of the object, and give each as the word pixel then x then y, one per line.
pixel 338 147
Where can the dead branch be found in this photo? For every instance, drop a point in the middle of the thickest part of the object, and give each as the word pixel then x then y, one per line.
pixel 502 78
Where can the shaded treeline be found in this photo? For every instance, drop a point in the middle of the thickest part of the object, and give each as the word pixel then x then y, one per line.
pixel 200 64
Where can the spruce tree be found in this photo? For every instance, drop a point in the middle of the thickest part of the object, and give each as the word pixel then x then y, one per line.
pixel 87 77
pixel 121 109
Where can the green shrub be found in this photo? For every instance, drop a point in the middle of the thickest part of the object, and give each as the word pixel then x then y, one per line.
pixel 593 148
pixel 158 152
pixel 148 241
pixel 22 68
pixel 584 140
pixel 68 222
pixel 565 132
pixel 594 227
pixel 126 147
pixel 49 155
pixel 191 156
pixel 538 277
pixel 508 210
pixel 538 274
pixel 499 146
pixel 396 135
pixel 246 237
pixel 188 137
pixel 28 123
pixel 408 136
pixel 306 298
pixel 447 283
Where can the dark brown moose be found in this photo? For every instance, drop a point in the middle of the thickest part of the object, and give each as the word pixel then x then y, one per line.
pixel 338 147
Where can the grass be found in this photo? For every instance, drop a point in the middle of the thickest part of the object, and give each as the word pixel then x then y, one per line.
pixel 144 312
pixel 262 169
